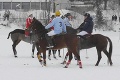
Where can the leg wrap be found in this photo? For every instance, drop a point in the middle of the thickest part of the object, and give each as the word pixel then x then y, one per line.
pixel 80 64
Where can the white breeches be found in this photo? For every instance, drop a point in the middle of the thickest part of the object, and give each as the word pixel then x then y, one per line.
pixel 82 33
pixel 51 33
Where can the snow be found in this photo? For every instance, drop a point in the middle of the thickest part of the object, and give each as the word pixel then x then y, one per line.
pixel 26 68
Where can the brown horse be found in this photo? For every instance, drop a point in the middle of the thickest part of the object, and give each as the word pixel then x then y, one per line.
pixel 68 41
pixel 96 40
pixel 18 35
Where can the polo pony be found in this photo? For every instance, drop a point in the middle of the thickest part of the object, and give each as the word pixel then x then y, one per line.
pixel 69 41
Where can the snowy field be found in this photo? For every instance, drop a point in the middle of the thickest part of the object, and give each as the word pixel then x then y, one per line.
pixel 26 68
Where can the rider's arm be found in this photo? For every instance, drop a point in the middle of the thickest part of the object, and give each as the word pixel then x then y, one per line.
pixel 50 24
pixel 86 25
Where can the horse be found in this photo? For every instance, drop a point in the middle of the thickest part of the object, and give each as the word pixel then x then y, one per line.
pixel 69 41
pixel 95 40
pixel 18 35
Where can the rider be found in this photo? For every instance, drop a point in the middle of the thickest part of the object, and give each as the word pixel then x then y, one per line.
pixel 59 27
pixel 28 22
pixel 67 18
pixel 87 26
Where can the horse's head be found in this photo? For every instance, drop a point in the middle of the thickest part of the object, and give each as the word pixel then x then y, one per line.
pixel 37 26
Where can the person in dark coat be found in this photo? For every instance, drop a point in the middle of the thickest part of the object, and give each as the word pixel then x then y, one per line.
pixel 115 17
pixel 87 26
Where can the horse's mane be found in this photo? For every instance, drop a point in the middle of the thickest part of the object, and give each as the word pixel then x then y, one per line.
pixel 38 24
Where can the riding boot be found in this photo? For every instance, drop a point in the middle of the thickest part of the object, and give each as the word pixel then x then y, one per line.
pixel 48 38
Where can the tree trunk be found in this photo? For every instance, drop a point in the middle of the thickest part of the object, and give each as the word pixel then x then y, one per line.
pixel 105 4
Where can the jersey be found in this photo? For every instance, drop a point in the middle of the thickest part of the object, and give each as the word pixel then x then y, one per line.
pixel 58 25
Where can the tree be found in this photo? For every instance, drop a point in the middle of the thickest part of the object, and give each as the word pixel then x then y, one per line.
pixel 99 16
pixel 105 4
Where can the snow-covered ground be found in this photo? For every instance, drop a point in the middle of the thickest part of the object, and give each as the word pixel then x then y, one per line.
pixel 26 68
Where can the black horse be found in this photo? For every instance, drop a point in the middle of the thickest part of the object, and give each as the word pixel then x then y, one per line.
pixel 18 34
pixel 95 40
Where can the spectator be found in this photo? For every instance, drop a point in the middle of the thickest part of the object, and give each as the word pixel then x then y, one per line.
pixel 115 17
pixel 6 15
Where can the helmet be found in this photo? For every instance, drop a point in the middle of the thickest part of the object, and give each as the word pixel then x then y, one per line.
pixel 68 14
pixel 31 15
pixel 57 13
pixel 87 14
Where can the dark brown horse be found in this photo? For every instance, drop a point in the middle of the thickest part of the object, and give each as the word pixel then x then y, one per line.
pixel 17 35
pixel 68 41
pixel 96 40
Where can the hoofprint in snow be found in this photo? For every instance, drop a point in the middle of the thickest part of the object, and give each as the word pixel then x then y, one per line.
pixel 26 68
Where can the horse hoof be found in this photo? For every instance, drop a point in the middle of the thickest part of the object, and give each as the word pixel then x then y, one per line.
pixel 64 62
pixel 44 64
pixel 111 64
pixel 59 56
pixel 80 67
pixel 15 56
pixel 32 56
pixel 96 65
pixel 65 67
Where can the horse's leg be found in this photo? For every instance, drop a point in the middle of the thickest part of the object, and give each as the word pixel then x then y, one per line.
pixel 14 48
pixel 54 52
pixel 65 59
pixel 108 56
pixel 77 55
pixel 59 53
pixel 70 58
pixel 44 57
pixel 39 57
pixel 49 53
pixel 99 57
pixel 15 43
pixel 33 49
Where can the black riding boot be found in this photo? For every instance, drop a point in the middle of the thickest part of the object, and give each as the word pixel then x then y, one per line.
pixel 50 44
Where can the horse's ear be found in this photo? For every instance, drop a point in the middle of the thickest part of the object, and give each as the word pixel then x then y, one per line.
pixel 33 17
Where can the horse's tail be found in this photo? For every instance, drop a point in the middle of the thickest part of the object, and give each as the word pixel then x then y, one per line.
pixel 110 47
pixel 9 35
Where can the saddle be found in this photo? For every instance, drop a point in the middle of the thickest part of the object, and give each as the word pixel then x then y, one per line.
pixel 85 41
pixel 85 37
